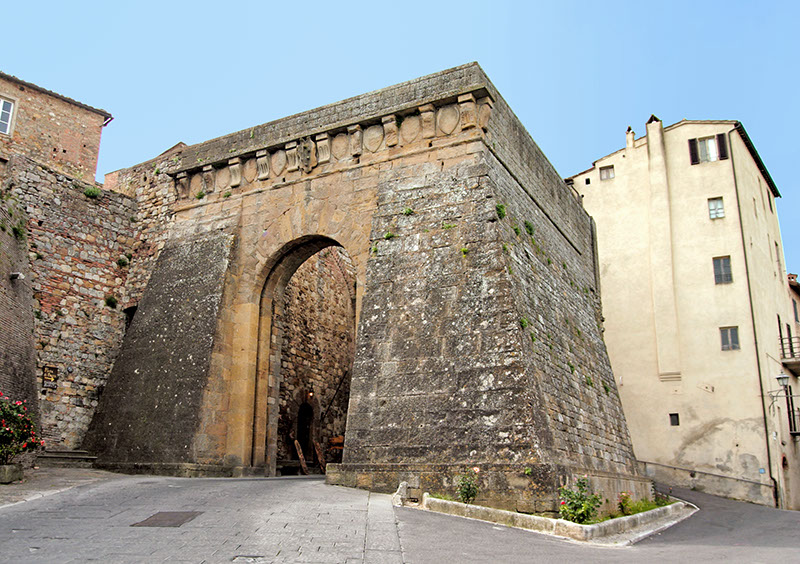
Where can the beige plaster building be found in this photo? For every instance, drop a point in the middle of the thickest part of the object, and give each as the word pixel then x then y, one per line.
pixel 695 302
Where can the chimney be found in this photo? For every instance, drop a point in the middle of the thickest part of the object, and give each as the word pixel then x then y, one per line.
pixel 629 136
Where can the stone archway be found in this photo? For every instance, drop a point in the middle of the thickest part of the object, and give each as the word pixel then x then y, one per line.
pixel 305 350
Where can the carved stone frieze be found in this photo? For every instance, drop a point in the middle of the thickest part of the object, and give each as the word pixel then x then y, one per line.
pixel 306 154
pixel 262 162
pixel 373 137
pixel 390 130
pixel 235 168
pixel 469 111
pixel 182 185
pixel 339 146
pixel 428 116
pixel 291 157
pixel 278 161
pixel 410 128
pixel 323 148
pixel 356 137
pixel 447 119
pixel 484 111
pixel 208 179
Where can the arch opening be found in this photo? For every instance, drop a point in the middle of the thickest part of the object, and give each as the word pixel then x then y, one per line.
pixel 305 357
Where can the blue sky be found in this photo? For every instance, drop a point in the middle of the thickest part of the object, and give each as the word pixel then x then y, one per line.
pixel 576 73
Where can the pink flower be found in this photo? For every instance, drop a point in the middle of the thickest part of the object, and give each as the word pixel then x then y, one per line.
pixel 563 503
pixel 476 469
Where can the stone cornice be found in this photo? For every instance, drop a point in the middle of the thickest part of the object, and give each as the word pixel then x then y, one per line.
pixel 369 109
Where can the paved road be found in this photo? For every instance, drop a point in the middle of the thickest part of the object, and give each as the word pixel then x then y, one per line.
pixel 303 520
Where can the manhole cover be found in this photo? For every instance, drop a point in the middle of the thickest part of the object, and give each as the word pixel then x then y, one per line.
pixel 168 519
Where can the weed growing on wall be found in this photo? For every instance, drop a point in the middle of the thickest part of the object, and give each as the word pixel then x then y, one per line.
pixel 501 210
pixel 92 192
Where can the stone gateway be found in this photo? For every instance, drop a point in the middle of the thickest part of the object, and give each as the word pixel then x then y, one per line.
pixel 404 268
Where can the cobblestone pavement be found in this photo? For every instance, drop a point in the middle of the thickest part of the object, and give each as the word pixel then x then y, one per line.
pixel 240 520
pixel 303 520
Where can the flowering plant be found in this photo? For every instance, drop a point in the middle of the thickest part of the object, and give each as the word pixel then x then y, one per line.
pixel 467 485
pixel 624 503
pixel 578 506
pixel 17 433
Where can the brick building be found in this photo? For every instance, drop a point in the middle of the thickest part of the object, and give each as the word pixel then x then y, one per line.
pixel 58 257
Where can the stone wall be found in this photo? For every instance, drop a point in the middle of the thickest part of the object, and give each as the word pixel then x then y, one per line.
pixel 151 411
pixel 318 328
pixel 79 250
pixel 478 336
pixel 17 379
pixel 61 133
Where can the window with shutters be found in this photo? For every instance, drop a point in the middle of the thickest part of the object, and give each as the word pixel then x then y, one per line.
pixel 778 257
pixel 730 338
pixel 796 317
pixel 722 270
pixel 606 172
pixel 715 208
pixel 6 111
pixel 708 149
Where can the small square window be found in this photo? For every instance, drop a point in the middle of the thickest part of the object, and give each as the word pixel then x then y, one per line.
pixel 674 419
pixel 722 270
pixel 6 110
pixel 588 181
pixel 716 209
pixel 606 172
pixel 730 338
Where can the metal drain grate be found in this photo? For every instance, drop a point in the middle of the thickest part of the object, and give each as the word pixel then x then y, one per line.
pixel 168 519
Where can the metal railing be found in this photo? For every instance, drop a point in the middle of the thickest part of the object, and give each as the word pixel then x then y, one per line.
pixel 790 348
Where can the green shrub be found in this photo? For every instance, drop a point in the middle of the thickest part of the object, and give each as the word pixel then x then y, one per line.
pixel 578 505
pixel 200 195
pixel 467 485
pixel 501 210
pixel 122 261
pixel 92 192
pixel 111 302
pixel 389 235
pixel 17 431
pixel 524 322
pixel 529 227
pixel 408 211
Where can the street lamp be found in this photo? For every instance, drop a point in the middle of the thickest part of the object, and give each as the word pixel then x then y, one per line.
pixel 783 379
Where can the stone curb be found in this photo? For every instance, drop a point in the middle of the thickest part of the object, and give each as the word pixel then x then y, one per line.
pixel 560 527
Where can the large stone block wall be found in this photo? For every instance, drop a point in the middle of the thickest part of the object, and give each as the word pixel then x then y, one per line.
pixel 17 376
pixel 63 134
pixel 152 410
pixel 73 244
pixel 476 344
pixel 318 339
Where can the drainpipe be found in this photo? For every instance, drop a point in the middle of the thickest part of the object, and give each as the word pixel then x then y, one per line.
pixel 753 321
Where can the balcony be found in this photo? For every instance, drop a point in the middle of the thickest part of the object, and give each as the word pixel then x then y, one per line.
pixel 790 354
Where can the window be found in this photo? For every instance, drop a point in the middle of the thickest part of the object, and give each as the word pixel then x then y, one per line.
pixel 796 318
pixel 708 149
pixel 769 199
pixel 778 257
pixel 730 338
pixel 606 172
pixel 674 419
pixel 715 208
pixel 6 109
pixel 722 270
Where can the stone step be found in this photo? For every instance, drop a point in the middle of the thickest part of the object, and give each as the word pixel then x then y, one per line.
pixel 70 458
